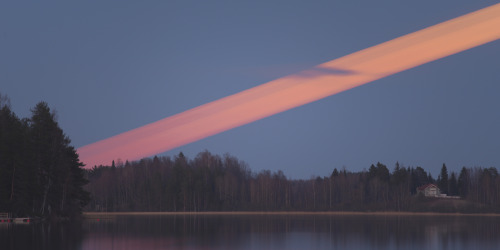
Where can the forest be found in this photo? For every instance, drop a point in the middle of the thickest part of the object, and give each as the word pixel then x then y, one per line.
pixel 42 176
pixel 223 183
pixel 40 173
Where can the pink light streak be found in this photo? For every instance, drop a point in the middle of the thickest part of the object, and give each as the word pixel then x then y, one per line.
pixel 285 93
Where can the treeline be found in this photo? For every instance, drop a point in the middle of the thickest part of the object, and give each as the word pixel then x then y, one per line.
pixel 223 183
pixel 40 173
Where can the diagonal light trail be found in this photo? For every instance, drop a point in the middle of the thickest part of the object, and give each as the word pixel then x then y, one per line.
pixel 323 80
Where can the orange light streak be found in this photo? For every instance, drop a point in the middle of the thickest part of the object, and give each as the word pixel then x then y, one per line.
pixel 323 80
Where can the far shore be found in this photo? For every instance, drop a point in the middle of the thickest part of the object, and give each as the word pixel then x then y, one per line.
pixel 348 213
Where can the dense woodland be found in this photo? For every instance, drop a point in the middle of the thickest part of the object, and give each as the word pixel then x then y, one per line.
pixel 223 183
pixel 40 173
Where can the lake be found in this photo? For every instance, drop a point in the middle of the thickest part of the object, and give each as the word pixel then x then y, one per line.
pixel 258 231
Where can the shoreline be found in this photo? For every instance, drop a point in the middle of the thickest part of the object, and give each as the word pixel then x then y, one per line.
pixel 279 213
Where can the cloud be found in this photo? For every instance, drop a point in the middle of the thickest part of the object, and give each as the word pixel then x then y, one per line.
pixel 291 91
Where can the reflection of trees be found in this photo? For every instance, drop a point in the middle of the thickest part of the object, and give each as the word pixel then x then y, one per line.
pixel 279 229
pixel 43 236
pixel 236 231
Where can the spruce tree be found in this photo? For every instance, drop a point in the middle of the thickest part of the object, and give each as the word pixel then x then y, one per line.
pixel 463 182
pixel 59 174
pixel 443 180
pixel 15 176
pixel 453 186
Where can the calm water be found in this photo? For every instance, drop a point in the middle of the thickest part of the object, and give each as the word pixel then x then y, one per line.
pixel 258 232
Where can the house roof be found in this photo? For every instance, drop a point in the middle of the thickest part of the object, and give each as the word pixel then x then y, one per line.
pixel 426 186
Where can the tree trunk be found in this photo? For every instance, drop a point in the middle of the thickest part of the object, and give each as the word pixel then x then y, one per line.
pixel 12 184
pixel 45 194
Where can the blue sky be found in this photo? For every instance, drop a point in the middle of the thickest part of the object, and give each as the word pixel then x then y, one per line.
pixel 108 67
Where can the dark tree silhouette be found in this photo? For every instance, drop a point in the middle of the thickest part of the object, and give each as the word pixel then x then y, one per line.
pixel 443 180
pixel 40 173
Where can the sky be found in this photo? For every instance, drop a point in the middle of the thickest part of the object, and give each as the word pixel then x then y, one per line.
pixel 108 67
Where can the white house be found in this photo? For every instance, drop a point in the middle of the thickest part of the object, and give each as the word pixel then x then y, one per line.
pixel 429 190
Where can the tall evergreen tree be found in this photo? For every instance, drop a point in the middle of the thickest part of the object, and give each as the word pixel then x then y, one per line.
pixel 443 180
pixel 335 173
pixel 59 174
pixel 463 182
pixel 453 186
pixel 383 172
pixel 15 175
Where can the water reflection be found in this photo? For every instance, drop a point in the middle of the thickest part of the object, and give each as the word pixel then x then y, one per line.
pixel 41 235
pixel 259 232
